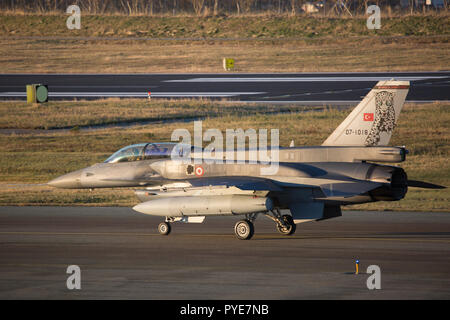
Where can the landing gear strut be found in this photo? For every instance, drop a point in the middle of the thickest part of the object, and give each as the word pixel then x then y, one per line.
pixel 285 224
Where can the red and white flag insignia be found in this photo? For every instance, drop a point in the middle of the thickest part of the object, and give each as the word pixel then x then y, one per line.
pixel 199 171
pixel 368 116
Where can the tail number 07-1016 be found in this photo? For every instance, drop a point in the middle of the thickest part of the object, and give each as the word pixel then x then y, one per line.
pixel 357 132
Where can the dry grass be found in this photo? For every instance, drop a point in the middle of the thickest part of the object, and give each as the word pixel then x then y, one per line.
pixel 42 195
pixel 273 44
pixel 60 56
pixel 73 114
pixel 430 122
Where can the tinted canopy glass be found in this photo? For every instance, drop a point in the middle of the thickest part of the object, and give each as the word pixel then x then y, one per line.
pixel 142 151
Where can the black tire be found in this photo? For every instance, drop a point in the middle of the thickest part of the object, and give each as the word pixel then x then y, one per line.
pixel 244 230
pixel 290 222
pixel 164 228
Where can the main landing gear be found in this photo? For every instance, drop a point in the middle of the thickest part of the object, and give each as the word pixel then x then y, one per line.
pixel 285 224
pixel 244 229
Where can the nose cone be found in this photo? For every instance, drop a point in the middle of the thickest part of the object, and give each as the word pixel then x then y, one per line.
pixel 71 180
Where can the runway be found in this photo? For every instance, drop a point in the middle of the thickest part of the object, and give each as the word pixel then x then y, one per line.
pixel 305 88
pixel 121 255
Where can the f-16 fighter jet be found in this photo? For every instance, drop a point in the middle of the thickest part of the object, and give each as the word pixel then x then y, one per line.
pixel 311 183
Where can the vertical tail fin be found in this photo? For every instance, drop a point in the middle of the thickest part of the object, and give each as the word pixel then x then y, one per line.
pixel 372 121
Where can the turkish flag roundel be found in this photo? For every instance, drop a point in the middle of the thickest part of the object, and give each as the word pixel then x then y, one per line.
pixel 368 116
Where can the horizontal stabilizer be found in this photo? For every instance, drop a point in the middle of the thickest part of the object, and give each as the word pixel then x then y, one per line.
pixel 425 185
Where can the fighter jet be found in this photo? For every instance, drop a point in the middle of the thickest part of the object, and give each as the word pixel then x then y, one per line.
pixel 352 166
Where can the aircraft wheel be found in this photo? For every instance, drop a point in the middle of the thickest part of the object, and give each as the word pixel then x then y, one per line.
pixel 244 229
pixel 164 228
pixel 291 225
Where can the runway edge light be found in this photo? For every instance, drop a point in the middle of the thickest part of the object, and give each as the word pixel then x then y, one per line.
pixel 357 266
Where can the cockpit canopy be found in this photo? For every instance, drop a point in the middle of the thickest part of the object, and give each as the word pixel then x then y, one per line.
pixel 142 151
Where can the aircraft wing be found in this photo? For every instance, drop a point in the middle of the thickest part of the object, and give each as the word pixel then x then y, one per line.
pixel 339 188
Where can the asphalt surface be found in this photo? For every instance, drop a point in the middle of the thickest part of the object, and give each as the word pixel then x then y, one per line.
pixel 121 256
pixel 307 88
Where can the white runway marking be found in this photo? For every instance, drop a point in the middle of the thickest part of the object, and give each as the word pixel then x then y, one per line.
pixel 306 79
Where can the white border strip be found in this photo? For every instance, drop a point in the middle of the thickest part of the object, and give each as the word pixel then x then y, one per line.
pixel 305 79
